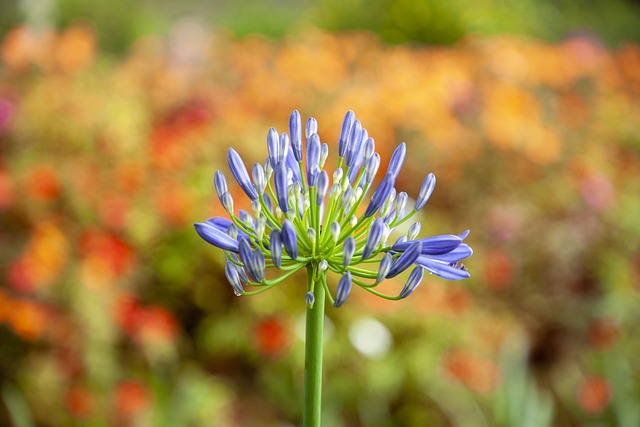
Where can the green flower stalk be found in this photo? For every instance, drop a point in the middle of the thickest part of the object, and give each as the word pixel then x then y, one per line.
pixel 303 219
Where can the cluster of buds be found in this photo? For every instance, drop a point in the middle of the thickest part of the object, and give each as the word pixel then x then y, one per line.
pixel 303 217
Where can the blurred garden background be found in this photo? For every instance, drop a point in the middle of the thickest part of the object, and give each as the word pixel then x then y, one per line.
pixel 114 116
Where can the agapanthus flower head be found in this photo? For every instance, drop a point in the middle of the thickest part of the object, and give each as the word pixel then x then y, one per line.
pixel 303 215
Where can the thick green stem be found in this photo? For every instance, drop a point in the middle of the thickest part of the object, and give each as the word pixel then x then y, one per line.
pixel 313 354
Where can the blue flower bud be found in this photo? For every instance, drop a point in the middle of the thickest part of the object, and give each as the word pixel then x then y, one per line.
pixel 347 251
pixel 355 143
pixel 259 178
pixel 425 191
pixel 216 237
pixel 342 292
pixel 244 249
pixel 243 275
pixel 246 218
pixel 323 185
pixel 309 299
pixel 313 157
pixel 282 187
pixel 415 277
pixel 240 173
pixel 233 277
pixel 311 128
pixel 405 260
pixel 385 266
pixel 295 130
pixel 442 269
pixel 401 203
pixel 382 192
pixel 220 183
pixel 273 146
pixel 289 239
pixel 348 197
pixel 345 133
pixel 275 246
pixel 375 233
pixel 397 159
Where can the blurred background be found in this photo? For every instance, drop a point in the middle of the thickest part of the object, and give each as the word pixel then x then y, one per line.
pixel 114 116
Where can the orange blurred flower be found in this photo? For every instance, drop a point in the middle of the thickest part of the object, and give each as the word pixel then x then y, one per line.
pixel 478 374
pixel 603 333
pixel 130 399
pixel 594 394
pixel 7 191
pixel 75 48
pixel 498 268
pixel 28 319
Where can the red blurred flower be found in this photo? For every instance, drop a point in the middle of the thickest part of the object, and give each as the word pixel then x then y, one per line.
pixel 271 336
pixel 148 325
pixel 478 374
pixel 594 394
pixel 7 192
pixel 43 183
pixel 80 402
pixel 117 255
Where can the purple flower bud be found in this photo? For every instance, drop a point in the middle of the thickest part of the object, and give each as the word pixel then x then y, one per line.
pixel 401 203
pixel 292 165
pixel 233 277
pixel 259 178
pixel 435 245
pixel 216 237
pixel 461 252
pixel 405 260
pixel 273 146
pixel 282 187
pixel 344 287
pixel 244 249
pixel 347 251
pixel 313 157
pixel 240 173
pixel 345 133
pixel 275 246
pixel 311 128
pixel 442 269
pixel 283 146
pixel 246 218
pixel 397 159
pixel 375 233
pixel 243 275
pixel 414 230
pixel 289 239
pixel 385 266
pixel 355 142
pixel 425 191
pixel 257 263
pixel 382 192
pixel 323 185
pixel 415 277
pixel 220 183
pixel 223 224
pixel 334 228
pixel 227 202
pixel 295 130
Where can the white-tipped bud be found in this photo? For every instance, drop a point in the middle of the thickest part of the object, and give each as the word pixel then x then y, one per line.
pixel 283 146
pixel 385 266
pixel 306 203
pixel 259 178
pixel 278 212
pixel 335 230
pixel 335 191
pixel 311 234
pixel 348 198
pixel 401 203
pixel 260 227
pixel 369 148
pixel 385 234
pixel 323 265
pixel 227 203
pixel 232 231
pixel 324 153
pixel 268 169
pixel 358 192
pixel 353 220
pixel 289 175
pixel 256 208
pixel 414 230
pixel 337 175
